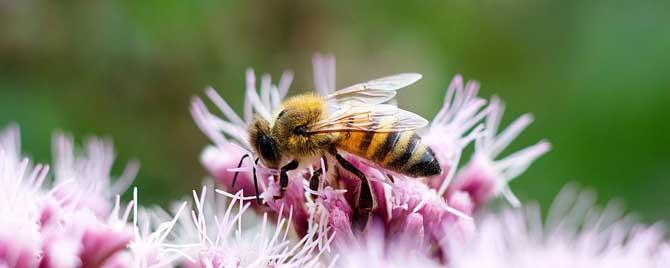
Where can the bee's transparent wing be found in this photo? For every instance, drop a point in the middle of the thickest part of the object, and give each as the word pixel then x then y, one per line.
pixel 373 92
pixel 377 118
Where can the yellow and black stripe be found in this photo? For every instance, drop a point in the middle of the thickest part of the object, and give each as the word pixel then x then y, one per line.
pixel 402 152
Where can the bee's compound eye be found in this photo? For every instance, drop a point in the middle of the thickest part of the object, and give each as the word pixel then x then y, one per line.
pixel 300 130
pixel 267 147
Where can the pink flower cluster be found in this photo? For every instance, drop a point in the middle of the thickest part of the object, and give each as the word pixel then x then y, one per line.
pixel 77 219
pixel 423 206
pixel 576 233
pixel 73 216
pixel 418 220
pixel 70 224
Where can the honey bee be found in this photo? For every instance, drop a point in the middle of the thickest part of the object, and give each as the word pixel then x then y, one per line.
pixel 357 120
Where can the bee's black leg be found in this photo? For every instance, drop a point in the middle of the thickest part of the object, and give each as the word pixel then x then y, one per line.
pixel 314 181
pixel 325 162
pixel 238 172
pixel 258 197
pixel 283 177
pixel 366 201
pixel 391 178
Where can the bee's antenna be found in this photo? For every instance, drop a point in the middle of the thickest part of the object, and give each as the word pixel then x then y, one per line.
pixel 238 167
pixel 258 199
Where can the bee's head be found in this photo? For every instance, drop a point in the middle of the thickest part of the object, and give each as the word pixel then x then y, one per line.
pixel 262 142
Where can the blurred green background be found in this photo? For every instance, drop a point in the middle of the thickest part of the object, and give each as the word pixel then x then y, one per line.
pixel 594 74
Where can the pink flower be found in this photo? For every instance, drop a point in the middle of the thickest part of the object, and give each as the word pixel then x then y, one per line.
pixel 324 74
pixel 153 243
pixel 339 214
pixel 19 248
pixel 411 202
pixel 374 249
pixel 462 202
pixel 84 179
pixel 292 203
pixel 60 250
pixel 99 242
pixel 20 238
pixel 484 177
pixel 221 239
pixel 72 224
pixel 575 234
pixel 221 163
pixel 454 127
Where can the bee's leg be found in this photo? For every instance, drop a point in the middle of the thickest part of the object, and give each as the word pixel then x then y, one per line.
pixel 283 177
pixel 238 172
pixel 258 197
pixel 391 178
pixel 314 181
pixel 325 162
pixel 366 201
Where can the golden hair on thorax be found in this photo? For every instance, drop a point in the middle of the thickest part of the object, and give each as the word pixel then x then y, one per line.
pixel 297 116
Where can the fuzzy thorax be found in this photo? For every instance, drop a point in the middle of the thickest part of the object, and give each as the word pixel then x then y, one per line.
pixel 288 136
pixel 297 116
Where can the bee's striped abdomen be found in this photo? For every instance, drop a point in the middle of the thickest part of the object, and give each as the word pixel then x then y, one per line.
pixel 402 152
